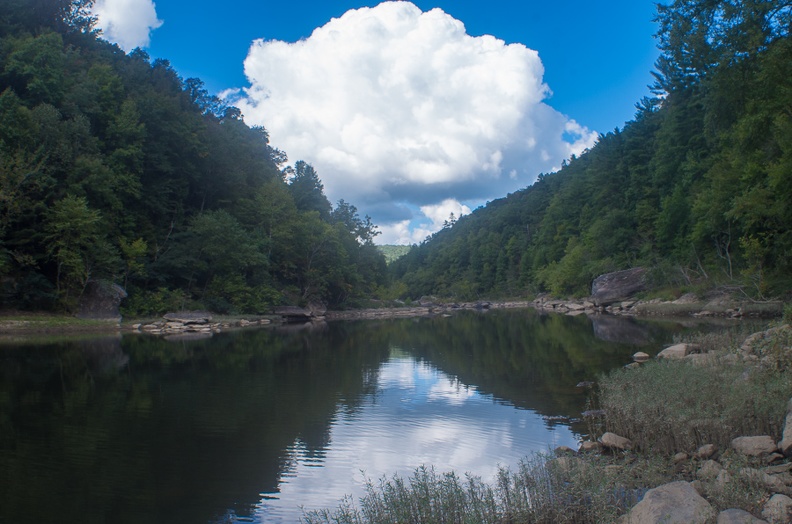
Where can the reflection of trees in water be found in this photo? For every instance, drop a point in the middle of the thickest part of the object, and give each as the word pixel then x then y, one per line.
pixel 524 357
pixel 186 431
pixel 141 429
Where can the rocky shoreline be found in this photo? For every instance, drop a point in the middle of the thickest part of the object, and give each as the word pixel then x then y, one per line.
pixel 203 323
pixel 689 304
pixel 752 460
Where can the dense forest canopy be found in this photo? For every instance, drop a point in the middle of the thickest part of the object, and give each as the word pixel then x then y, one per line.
pixel 113 167
pixel 698 187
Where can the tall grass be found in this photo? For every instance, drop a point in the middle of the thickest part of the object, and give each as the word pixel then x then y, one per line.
pixel 672 406
pixel 540 490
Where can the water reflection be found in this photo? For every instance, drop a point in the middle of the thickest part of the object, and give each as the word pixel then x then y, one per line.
pixel 418 415
pixel 251 425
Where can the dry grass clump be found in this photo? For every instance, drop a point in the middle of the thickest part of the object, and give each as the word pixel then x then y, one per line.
pixel 540 490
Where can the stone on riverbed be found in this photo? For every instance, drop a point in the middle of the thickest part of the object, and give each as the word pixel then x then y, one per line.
pixel 673 503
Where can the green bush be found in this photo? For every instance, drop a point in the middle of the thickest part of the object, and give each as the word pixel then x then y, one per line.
pixel 141 303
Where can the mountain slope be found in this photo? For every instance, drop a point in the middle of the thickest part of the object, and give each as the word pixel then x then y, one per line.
pixel 698 187
pixel 113 167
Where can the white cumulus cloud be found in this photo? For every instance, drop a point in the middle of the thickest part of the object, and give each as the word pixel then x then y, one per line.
pixel 399 109
pixel 128 23
pixel 429 219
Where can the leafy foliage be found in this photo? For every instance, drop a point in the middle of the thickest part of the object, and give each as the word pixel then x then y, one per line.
pixel 696 185
pixel 112 166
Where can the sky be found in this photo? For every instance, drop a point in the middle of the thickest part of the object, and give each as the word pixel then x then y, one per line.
pixel 411 111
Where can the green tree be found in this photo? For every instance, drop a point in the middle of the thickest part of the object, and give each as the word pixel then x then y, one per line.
pixel 76 245
pixel 307 190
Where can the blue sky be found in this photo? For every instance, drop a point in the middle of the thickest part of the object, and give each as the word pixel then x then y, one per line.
pixel 450 118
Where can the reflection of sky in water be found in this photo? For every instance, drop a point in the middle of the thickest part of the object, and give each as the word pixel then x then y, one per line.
pixel 419 415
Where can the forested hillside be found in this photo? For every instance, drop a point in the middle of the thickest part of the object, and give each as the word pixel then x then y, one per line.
pixel 698 187
pixel 113 167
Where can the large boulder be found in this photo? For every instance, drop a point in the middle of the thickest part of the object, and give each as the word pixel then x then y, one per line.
pixel 100 301
pixel 674 503
pixel 754 446
pixel 615 287
pixel 293 313
pixel 778 510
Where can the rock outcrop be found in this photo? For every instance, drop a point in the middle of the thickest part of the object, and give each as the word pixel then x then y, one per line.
pixel 618 286
pixel 191 325
pixel 100 301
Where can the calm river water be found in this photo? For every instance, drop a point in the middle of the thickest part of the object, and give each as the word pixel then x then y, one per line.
pixel 252 425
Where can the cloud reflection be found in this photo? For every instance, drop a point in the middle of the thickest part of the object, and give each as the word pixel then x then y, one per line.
pixel 419 415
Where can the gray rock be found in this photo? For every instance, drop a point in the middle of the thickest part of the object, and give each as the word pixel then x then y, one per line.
pixel 590 447
pixel 566 465
pixel 687 298
pixel 771 482
pixel 427 300
pixel 189 317
pixel 293 313
pixel 706 451
pixel 738 516
pixel 100 301
pixel 640 356
pixel 317 309
pixel 780 468
pixel 778 510
pixel 614 441
pixel 674 503
pixel 709 470
pixel 754 446
pixel 618 286
pixel 675 352
pixel 723 479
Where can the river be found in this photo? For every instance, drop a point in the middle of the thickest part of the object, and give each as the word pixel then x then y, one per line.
pixel 253 425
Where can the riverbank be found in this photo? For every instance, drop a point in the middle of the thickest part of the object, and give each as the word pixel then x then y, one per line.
pixel 703 434
pixel 688 305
